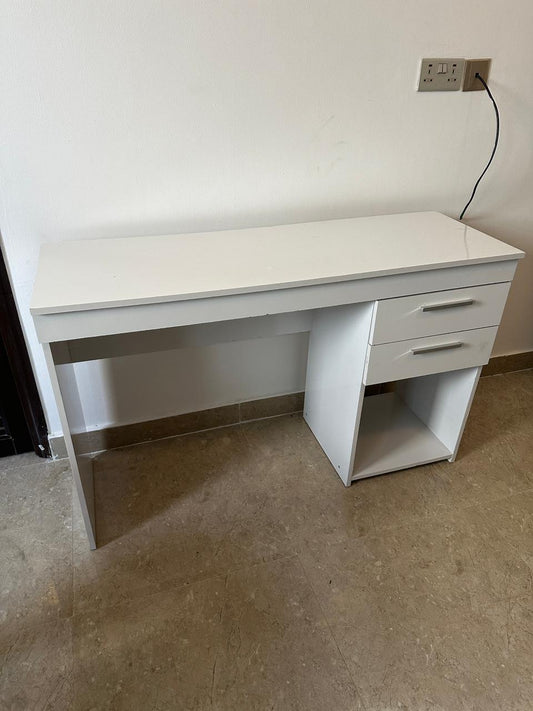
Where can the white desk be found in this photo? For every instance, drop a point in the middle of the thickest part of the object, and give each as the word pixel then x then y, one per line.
pixel 414 298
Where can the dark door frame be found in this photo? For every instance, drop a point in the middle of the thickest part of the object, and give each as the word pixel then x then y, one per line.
pixel 20 366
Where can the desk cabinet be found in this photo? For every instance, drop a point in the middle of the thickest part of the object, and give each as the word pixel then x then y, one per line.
pixel 413 340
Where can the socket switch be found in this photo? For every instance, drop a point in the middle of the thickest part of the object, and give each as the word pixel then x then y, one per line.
pixel 473 66
pixel 441 74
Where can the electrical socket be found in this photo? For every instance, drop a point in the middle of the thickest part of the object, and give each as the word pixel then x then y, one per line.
pixel 473 66
pixel 441 74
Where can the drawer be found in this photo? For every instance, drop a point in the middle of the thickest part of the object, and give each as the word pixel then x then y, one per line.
pixel 438 312
pixel 433 354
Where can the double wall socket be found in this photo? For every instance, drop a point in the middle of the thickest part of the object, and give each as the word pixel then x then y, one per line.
pixel 442 74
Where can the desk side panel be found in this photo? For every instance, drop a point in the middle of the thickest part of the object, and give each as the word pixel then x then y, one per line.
pixel 70 410
pixel 334 387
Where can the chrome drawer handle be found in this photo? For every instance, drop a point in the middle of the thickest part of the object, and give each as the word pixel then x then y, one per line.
pixel 436 347
pixel 447 305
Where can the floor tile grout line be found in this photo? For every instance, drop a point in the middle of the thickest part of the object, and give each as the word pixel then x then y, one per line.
pixel 326 620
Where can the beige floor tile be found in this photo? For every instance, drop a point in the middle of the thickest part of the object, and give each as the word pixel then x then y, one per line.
pixel 207 469
pixel 308 494
pixel 420 654
pixel 154 652
pixel 37 496
pixel 376 503
pixel 278 652
pixel 302 496
pixel 36 667
pixel 407 650
pixel 501 422
pixel 495 457
pixel 483 474
pixel 282 436
pixel 36 578
pixel 520 444
pixel 234 561
pixel 513 622
pixel 256 640
pixel 163 553
pixel 502 406
pixel 458 557
pixel 17 461
pixel 512 518
pixel 458 561
pixel 402 497
pixel 35 543
pixel 173 512
pixel 351 579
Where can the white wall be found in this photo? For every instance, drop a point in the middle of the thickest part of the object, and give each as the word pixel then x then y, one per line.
pixel 140 117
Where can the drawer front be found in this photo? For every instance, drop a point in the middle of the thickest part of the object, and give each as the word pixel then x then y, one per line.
pixel 438 312
pixel 433 354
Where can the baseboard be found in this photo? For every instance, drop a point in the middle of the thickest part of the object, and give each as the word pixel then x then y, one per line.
pixel 123 435
pixel 508 364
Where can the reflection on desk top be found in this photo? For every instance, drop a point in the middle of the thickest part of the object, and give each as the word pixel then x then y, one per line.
pixel 89 274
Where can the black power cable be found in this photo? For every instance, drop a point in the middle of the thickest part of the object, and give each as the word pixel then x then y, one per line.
pixel 478 76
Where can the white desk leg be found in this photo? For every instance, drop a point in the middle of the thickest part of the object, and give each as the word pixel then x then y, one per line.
pixel 68 402
pixel 334 388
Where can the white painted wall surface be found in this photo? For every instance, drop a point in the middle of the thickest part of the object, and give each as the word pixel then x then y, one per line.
pixel 137 117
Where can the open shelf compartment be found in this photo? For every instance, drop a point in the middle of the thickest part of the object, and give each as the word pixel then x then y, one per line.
pixel 392 437
pixel 420 422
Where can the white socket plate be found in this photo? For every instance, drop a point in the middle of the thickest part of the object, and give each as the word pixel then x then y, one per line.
pixel 441 74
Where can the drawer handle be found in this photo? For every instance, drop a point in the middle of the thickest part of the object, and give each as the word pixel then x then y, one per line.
pixel 436 347
pixel 447 305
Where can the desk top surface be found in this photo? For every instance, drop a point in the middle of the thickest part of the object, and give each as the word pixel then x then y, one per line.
pixel 102 273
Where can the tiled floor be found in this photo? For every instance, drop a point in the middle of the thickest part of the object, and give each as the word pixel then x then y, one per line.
pixel 236 572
